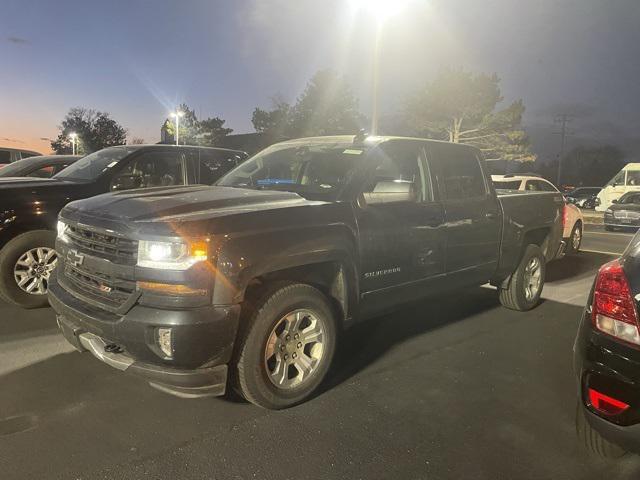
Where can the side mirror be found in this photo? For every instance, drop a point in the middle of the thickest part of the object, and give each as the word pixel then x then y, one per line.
pixel 126 182
pixel 389 192
pixel 614 201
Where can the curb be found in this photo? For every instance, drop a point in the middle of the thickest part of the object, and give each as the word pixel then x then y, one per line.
pixel 592 218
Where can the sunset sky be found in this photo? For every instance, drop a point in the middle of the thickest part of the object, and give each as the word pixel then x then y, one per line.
pixel 138 59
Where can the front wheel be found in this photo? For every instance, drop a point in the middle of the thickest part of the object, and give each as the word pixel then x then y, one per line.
pixel 26 262
pixel 525 285
pixel 286 345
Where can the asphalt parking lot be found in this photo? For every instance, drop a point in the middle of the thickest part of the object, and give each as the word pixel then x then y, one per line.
pixel 454 387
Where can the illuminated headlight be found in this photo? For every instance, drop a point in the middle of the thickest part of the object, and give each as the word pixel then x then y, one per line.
pixel 170 255
pixel 164 341
pixel 62 231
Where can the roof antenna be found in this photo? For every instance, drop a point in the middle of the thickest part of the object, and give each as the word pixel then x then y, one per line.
pixel 360 136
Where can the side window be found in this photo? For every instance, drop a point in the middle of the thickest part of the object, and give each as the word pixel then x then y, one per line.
pixel 213 164
pixel 5 157
pixel 633 178
pixel 152 169
pixel 532 186
pixel 461 174
pixel 618 179
pixel 26 155
pixel 400 171
pixel 547 187
pixel 59 168
pixel 43 172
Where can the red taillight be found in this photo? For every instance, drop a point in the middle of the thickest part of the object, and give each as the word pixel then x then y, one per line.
pixel 613 311
pixel 605 404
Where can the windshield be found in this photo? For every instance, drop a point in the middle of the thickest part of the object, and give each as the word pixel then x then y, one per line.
pixel 630 199
pixel 313 171
pixel 18 167
pixel 92 166
pixel 511 185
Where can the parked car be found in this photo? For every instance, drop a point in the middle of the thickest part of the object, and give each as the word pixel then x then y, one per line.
pixel 43 166
pixel 584 197
pixel 255 278
pixel 607 359
pixel 10 155
pixel 572 218
pixel 624 212
pixel 626 180
pixel 29 206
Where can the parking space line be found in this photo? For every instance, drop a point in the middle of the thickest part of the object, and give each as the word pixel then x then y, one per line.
pixel 590 232
pixel 617 254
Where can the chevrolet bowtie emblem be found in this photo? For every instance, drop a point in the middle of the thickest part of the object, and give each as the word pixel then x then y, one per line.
pixel 74 258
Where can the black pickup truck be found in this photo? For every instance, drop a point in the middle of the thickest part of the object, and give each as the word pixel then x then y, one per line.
pixel 252 280
pixel 29 207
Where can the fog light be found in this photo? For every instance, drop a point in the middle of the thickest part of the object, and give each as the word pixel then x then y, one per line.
pixel 164 341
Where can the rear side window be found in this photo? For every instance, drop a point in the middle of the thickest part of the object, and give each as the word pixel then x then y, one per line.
pixel 633 178
pixel 461 173
pixel 43 172
pixel 511 185
pixel 5 157
pixel 213 164
pixel 540 186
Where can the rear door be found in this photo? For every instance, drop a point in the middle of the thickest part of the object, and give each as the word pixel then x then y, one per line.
pixel 472 213
pixel 401 243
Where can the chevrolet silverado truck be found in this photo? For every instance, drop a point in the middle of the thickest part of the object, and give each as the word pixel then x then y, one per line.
pixel 29 207
pixel 250 282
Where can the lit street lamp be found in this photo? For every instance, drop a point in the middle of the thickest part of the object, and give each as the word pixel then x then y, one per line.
pixel 177 115
pixel 382 10
pixel 73 137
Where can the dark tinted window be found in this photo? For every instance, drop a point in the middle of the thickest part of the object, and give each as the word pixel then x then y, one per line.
pixel 461 173
pixel 43 172
pixel 539 186
pixel 27 154
pixel 630 198
pixel 92 166
pixel 152 169
pixel 5 156
pixel 213 164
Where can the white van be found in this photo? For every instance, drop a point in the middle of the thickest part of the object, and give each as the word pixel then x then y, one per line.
pixel 10 155
pixel 626 180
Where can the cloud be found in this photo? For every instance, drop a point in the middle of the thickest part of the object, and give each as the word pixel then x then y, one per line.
pixel 18 41
pixel 10 140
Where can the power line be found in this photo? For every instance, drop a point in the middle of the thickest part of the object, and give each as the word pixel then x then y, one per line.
pixel 563 120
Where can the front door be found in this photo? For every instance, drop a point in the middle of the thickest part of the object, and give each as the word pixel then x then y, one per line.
pixel 401 228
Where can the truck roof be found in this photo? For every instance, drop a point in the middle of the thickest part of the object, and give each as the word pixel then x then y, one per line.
pixel 155 146
pixel 370 140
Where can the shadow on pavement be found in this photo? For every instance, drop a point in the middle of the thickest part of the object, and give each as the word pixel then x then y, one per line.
pixel 575 267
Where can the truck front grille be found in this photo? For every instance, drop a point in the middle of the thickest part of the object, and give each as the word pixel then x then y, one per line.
pixel 118 249
pixel 103 290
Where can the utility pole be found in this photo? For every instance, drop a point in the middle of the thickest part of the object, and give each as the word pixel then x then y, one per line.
pixel 563 120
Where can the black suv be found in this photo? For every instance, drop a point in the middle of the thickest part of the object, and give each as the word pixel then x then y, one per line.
pixel 29 206
pixel 607 359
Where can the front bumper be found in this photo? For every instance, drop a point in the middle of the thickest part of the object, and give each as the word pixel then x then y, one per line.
pixel 203 341
pixel 611 221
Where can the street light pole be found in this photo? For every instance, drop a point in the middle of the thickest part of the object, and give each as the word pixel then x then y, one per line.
pixel 376 81
pixel 177 114
pixel 73 137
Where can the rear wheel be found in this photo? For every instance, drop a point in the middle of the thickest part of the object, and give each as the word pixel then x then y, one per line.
pixel 286 345
pixel 575 239
pixel 526 282
pixel 592 440
pixel 26 262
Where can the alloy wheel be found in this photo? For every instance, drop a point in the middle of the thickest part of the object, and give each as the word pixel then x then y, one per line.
pixel 295 348
pixel 33 268
pixel 532 278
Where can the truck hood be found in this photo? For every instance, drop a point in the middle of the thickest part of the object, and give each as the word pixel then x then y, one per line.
pixel 176 204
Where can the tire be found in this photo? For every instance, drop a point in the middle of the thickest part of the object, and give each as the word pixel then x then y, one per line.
pixel 520 294
pixel 37 242
pixel 595 443
pixel 575 240
pixel 258 376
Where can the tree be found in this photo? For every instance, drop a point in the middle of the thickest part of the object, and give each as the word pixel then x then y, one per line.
pixel 95 130
pixel 326 107
pixel 460 107
pixel 206 132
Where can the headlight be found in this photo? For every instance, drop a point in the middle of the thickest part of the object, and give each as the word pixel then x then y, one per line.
pixel 171 255
pixel 62 231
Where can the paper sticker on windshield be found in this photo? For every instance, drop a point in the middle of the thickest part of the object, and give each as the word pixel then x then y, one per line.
pixel 111 164
pixel 350 151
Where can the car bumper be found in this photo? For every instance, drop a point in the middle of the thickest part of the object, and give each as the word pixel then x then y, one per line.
pixel 611 221
pixel 202 342
pixel 609 367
